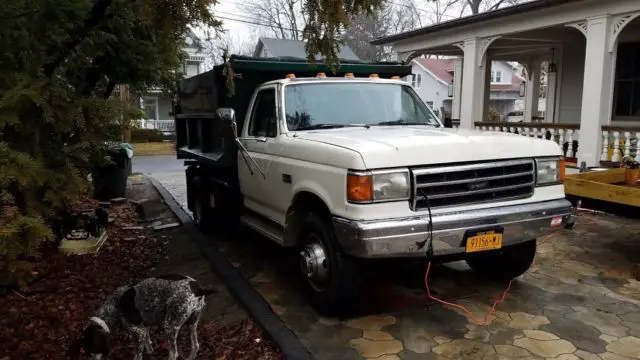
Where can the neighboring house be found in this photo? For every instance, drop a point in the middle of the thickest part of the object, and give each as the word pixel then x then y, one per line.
pixel 269 47
pixel 432 78
pixel 156 105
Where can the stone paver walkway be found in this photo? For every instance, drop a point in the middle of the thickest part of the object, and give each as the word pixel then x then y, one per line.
pixel 578 302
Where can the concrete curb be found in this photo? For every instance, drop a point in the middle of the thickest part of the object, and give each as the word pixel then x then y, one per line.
pixel 257 307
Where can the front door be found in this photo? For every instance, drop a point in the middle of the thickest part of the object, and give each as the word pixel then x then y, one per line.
pixel 259 137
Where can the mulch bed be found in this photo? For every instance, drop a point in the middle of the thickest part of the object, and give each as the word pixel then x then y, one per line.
pixel 41 322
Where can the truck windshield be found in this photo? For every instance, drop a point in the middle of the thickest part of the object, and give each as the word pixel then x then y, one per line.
pixel 325 105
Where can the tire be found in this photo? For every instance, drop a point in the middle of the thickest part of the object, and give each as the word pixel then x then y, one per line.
pixel 331 278
pixel 505 264
pixel 221 218
pixel 202 213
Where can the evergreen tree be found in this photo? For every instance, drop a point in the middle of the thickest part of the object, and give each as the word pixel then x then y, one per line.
pixel 60 62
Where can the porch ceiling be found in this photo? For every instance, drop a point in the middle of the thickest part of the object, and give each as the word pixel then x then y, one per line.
pixel 517 46
pixel 529 17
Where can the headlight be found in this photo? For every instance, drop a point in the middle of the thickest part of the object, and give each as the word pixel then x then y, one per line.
pixel 378 186
pixel 549 171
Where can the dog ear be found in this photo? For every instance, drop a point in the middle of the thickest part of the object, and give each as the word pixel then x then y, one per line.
pixel 73 353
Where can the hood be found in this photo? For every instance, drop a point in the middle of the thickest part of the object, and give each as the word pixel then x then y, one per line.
pixel 382 147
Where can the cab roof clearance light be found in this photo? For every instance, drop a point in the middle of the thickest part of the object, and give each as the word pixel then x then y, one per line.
pixel 291 76
pixel 321 75
pixel 374 76
pixel 395 77
pixel 349 75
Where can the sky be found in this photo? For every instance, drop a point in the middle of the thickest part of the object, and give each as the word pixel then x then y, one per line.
pixel 239 25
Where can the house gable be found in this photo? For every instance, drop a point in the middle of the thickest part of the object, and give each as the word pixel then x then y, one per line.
pixel 270 47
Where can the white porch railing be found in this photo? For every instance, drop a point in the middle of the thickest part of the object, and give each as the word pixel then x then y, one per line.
pixel 618 142
pixel 166 126
pixel 565 135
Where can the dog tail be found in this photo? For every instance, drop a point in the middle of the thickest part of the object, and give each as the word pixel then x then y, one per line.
pixel 198 292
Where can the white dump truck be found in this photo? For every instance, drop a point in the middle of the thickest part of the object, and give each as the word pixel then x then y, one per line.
pixel 354 166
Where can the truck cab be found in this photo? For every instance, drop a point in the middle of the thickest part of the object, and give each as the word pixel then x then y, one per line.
pixel 345 169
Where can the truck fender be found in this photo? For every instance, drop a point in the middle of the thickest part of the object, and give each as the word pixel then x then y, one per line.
pixel 303 201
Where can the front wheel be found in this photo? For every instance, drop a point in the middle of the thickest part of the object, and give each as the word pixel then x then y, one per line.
pixel 504 264
pixel 330 276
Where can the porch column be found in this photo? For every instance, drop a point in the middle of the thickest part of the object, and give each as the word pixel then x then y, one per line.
pixel 598 86
pixel 471 107
pixel 532 91
pixel 552 89
pixel 486 86
pixel 550 106
pixel 457 89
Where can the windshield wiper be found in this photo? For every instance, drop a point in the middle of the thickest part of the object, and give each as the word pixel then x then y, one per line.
pixel 331 126
pixel 402 122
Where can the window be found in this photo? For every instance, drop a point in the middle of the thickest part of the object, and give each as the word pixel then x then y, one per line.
pixel 191 69
pixel 496 76
pixel 416 80
pixel 626 93
pixel 344 104
pixel 263 116
pixel 150 107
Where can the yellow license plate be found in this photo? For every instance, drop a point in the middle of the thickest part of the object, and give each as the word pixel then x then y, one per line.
pixel 484 241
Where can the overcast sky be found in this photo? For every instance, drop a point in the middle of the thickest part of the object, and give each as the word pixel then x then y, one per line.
pixel 239 25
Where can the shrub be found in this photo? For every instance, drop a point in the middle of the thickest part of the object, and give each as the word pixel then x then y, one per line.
pixel 146 135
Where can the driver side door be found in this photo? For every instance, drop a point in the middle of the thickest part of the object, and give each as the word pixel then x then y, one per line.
pixel 258 137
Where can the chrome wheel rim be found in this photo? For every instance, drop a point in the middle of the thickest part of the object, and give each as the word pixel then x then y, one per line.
pixel 314 263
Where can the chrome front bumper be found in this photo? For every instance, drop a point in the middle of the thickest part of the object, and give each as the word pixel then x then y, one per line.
pixel 399 237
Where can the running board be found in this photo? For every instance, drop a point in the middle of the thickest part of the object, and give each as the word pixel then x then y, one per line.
pixel 264 227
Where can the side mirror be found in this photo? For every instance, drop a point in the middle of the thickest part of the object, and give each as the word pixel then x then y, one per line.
pixel 228 115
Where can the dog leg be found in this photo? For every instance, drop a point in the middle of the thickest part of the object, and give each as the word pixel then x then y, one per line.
pixel 192 324
pixel 140 345
pixel 172 342
pixel 148 344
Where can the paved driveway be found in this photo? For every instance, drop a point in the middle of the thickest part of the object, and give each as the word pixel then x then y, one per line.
pixel 578 302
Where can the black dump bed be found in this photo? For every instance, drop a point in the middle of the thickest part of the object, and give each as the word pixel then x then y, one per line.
pixel 202 136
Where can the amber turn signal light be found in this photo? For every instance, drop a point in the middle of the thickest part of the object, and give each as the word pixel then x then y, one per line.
pixel 563 169
pixel 359 188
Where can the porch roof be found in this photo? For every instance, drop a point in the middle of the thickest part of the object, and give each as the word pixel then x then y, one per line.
pixel 473 19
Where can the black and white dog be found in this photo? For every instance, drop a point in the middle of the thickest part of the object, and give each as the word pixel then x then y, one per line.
pixel 169 301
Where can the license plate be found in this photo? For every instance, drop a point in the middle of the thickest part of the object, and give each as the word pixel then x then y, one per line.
pixel 483 241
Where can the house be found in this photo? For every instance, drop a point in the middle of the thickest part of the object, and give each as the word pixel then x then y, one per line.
pixel 269 47
pixel 156 104
pixel 592 48
pixel 431 78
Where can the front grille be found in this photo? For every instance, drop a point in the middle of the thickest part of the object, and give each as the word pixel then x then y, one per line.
pixel 452 185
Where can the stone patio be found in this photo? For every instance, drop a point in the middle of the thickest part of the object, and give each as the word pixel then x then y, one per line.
pixel 579 301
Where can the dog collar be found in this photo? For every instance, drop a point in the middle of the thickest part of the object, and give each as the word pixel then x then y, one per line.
pixel 100 323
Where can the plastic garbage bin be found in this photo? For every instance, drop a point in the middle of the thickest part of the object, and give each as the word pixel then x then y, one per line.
pixel 110 178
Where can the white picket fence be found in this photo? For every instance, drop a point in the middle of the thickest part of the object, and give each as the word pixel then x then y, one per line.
pixel 166 126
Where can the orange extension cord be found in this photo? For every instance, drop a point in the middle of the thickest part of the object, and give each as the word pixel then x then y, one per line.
pixel 486 320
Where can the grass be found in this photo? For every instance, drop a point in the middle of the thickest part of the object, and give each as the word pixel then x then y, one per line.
pixel 154 148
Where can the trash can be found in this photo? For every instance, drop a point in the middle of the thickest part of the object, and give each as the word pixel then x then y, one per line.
pixel 110 178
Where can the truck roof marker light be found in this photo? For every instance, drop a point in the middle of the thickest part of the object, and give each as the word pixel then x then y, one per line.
pixel 321 75
pixel 349 75
pixel 291 76
pixel 395 77
pixel 374 76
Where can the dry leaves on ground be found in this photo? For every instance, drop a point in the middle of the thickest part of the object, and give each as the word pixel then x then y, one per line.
pixel 42 322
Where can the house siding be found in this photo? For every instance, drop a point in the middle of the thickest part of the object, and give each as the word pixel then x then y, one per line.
pixel 430 90
pixel 572 73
